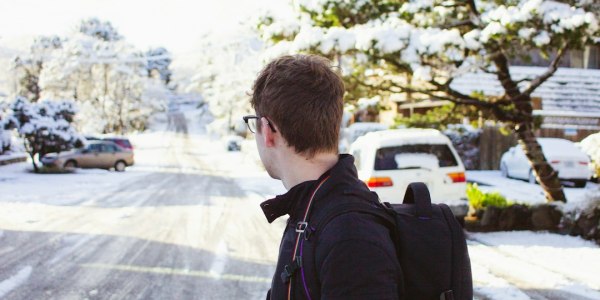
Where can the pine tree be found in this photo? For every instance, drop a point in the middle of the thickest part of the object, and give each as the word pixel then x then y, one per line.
pixel 159 60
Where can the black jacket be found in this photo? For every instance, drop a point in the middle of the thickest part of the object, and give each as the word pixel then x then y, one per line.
pixel 354 256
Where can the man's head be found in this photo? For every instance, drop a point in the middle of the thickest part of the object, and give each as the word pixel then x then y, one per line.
pixel 302 97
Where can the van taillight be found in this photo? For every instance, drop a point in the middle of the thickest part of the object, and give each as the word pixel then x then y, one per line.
pixel 583 163
pixel 457 177
pixel 379 182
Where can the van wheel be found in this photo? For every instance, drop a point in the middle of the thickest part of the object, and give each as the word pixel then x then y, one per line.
pixel 531 177
pixel 120 166
pixel 71 164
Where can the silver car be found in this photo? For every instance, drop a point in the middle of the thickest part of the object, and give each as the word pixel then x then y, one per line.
pixel 97 154
pixel 568 160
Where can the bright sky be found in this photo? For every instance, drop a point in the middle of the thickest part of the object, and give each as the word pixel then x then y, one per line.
pixel 175 24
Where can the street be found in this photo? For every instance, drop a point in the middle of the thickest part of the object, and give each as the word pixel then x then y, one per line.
pixel 181 230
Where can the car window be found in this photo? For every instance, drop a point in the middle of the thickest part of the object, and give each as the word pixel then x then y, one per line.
pixel 125 143
pixel 110 148
pixel 121 142
pixel 385 158
pixel 95 147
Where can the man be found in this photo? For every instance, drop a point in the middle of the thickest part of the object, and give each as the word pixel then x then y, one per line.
pixel 299 104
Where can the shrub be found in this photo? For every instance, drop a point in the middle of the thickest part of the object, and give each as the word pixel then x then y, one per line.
pixel 478 199
pixel 475 196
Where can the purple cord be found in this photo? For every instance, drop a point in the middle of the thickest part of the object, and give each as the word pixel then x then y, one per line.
pixel 302 271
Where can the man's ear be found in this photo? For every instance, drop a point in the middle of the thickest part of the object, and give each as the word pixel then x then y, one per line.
pixel 267 134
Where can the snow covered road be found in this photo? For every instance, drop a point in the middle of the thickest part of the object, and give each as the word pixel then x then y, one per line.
pixel 173 227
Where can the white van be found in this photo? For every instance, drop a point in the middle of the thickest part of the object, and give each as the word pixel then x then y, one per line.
pixel 351 133
pixel 387 161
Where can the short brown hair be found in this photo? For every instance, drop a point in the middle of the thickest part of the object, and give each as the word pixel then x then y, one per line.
pixel 303 96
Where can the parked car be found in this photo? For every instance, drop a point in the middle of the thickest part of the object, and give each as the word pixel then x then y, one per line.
pixel 96 154
pixel 387 161
pixel 233 142
pixel 121 141
pixel 564 157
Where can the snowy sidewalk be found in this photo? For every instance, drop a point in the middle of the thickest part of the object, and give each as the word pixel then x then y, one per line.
pixel 11 158
pixel 534 265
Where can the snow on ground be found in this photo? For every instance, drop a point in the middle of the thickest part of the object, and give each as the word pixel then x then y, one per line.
pixel 533 261
pixel 505 264
pixel 244 166
pixel 523 192
pixel 12 155
pixel 15 281
pixel 18 183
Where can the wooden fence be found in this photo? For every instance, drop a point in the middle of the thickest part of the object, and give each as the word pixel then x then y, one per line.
pixel 492 144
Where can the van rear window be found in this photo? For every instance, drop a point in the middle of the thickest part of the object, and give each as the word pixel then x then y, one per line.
pixel 385 158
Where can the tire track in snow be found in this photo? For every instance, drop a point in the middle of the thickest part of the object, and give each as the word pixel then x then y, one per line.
pixel 15 281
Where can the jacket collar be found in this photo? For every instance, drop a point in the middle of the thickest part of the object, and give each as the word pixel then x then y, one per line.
pixel 295 200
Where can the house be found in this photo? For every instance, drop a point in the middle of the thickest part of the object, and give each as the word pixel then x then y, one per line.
pixel 568 103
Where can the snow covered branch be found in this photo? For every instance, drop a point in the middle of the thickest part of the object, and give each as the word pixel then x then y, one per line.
pixel 549 72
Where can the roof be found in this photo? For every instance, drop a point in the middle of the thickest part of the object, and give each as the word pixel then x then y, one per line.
pixel 569 91
pixel 560 147
pixel 406 136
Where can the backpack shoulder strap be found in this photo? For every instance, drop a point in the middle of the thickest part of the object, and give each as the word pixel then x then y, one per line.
pixel 352 200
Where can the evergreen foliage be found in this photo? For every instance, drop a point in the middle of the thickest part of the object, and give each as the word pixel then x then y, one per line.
pixel 45 126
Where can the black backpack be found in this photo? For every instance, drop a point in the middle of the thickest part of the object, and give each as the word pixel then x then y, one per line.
pixel 430 242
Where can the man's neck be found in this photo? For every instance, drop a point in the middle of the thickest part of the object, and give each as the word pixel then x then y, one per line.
pixel 297 168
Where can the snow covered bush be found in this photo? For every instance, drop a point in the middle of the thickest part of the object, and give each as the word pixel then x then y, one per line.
pixel 583 219
pixel 5 126
pixel 45 126
pixel 4 136
pixel 591 146
pixel 159 60
pixel 465 140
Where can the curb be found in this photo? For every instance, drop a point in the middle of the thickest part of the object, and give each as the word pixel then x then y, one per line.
pixel 12 160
